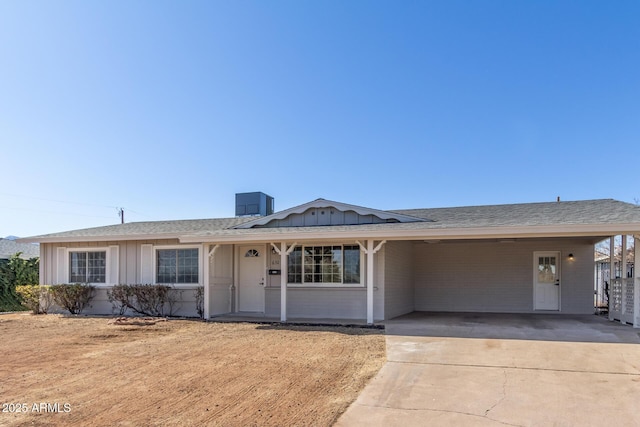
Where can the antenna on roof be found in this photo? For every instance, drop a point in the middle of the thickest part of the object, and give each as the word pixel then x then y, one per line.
pixel 121 215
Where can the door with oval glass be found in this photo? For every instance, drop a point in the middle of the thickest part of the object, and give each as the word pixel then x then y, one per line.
pixel 546 280
pixel 251 269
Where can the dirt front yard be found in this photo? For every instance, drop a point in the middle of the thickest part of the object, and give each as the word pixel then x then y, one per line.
pixel 57 370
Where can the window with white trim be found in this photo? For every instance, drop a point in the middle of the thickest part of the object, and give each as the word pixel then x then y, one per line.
pixel 88 267
pixel 177 266
pixel 329 264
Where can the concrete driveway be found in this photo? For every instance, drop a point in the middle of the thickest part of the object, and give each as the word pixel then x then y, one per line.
pixel 501 369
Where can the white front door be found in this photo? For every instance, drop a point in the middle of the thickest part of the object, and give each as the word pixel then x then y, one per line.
pixel 546 280
pixel 251 268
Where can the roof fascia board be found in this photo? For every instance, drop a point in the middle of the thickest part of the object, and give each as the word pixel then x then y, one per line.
pixel 105 238
pixel 443 234
pixel 323 203
pixel 258 235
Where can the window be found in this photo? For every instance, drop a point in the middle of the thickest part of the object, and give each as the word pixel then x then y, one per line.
pixel 177 266
pixel 87 267
pixel 333 264
pixel 252 253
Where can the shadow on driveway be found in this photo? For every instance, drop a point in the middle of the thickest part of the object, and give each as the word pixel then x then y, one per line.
pixel 538 327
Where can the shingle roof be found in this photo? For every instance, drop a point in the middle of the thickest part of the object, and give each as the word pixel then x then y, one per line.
pixel 11 247
pixel 603 211
pixel 167 229
pixel 588 212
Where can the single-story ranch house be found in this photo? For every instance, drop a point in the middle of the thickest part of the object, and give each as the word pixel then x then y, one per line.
pixel 331 260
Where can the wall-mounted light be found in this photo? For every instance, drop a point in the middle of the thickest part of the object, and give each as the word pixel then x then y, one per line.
pixel 571 257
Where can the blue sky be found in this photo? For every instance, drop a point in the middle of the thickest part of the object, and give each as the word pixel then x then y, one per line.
pixel 169 108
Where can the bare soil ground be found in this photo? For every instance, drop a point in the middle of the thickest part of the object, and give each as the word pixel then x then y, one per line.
pixel 179 372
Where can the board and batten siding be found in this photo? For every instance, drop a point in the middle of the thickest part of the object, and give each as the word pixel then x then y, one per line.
pixel 398 278
pixel 222 293
pixel 126 269
pixel 129 258
pixel 498 277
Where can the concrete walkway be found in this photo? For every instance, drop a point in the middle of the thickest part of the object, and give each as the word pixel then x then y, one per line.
pixel 493 369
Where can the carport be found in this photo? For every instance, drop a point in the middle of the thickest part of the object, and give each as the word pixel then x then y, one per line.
pixel 503 369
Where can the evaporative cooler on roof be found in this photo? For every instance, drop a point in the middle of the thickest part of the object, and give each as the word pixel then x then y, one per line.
pixel 253 204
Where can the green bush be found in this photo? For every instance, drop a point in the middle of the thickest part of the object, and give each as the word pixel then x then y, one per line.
pixel 74 297
pixel 15 272
pixel 36 298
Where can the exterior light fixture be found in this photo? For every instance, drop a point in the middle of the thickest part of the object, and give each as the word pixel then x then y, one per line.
pixel 571 257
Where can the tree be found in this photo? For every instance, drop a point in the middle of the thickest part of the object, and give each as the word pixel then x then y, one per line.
pixel 14 272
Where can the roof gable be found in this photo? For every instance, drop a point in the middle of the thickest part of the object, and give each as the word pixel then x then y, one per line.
pixel 323 212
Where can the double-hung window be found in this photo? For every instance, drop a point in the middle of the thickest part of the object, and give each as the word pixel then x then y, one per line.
pixel 88 267
pixel 177 266
pixel 329 265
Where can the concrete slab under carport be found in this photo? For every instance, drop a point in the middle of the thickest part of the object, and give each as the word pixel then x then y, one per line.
pixel 503 369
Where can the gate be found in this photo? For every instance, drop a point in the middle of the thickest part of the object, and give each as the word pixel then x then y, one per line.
pixel 621 300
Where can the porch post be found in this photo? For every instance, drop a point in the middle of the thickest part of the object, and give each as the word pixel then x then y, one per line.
pixel 623 277
pixel 370 251
pixel 284 253
pixel 283 281
pixel 636 282
pixel 370 270
pixel 205 282
pixel 612 275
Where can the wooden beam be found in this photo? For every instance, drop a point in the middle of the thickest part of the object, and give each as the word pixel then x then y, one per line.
pixel 377 248
pixel 276 248
pixel 213 250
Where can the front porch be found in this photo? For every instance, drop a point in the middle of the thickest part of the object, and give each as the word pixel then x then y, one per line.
pixel 397 277
pixel 254 281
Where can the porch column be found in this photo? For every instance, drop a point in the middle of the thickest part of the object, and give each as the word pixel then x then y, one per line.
pixel 623 277
pixel 284 252
pixel 636 282
pixel 370 281
pixel 370 251
pixel 205 282
pixel 283 281
pixel 612 275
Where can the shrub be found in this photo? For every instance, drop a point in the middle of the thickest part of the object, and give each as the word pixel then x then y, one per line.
pixel 36 298
pixel 121 298
pixel 199 294
pixel 148 300
pixel 14 272
pixel 74 297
